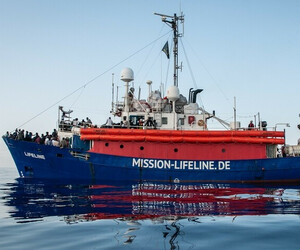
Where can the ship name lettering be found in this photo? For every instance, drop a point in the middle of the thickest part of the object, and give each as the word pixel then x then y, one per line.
pixel 151 163
pixel 224 165
pixel 33 155
pixel 180 164
pixel 208 165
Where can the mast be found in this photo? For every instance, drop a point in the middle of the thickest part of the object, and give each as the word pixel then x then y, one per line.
pixel 112 93
pixel 234 114
pixel 172 21
pixel 175 49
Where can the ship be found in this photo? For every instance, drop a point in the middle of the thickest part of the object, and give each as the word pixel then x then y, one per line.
pixel 164 138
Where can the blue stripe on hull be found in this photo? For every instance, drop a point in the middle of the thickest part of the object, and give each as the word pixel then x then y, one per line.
pixel 41 161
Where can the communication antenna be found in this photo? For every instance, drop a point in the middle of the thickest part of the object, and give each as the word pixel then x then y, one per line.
pixel 182 22
pixel 112 93
pixel 172 21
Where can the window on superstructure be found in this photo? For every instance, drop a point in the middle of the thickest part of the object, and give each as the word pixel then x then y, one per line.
pixel 164 120
pixel 181 121
pixel 135 120
pixel 271 151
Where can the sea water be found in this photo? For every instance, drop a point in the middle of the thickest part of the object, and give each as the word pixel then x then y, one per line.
pixel 42 214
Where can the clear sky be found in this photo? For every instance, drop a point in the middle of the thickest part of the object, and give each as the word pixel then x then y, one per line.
pixel 235 48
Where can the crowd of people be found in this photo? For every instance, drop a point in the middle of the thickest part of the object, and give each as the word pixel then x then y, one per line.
pixel 139 123
pixel 83 123
pixel 46 139
pixel 51 139
pixel 67 125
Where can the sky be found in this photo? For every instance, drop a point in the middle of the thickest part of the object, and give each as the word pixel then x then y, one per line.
pixel 248 50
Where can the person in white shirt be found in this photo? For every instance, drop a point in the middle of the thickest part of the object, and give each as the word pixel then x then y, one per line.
pixel 109 122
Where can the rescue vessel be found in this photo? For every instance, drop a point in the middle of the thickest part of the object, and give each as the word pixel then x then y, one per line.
pixel 163 138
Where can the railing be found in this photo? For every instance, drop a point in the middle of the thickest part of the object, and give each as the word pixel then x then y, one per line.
pixel 80 155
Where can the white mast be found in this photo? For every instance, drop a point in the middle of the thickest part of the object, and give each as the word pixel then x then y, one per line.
pixel 149 85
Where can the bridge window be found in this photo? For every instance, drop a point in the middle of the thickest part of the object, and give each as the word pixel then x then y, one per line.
pixel 164 120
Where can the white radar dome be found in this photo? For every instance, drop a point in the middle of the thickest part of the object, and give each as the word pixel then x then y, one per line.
pixel 173 93
pixel 127 75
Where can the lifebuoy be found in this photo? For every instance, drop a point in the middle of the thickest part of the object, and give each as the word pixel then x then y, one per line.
pixel 201 123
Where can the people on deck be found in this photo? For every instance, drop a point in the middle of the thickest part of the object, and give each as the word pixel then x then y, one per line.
pixel 88 121
pixel 283 151
pixel 54 133
pixel 124 123
pixel 75 122
pixel 109 122
pixel 64 143
pixel 50 139
pixel 55 142
pixel 251 125
pixel 141 123
pixel 20 135
pixel 37 139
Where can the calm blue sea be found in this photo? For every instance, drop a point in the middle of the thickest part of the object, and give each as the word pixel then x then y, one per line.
pixel 39 214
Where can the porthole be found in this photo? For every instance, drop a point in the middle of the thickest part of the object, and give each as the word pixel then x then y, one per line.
pixel 175 150
pixel 106 144
pixel 141 148
pixel 121 146
pixel 28 169
pixel 223 150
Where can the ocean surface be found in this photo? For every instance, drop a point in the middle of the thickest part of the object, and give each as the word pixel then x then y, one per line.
pixel 40 214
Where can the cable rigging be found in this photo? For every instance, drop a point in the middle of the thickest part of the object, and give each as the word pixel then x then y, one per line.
pixel 92 80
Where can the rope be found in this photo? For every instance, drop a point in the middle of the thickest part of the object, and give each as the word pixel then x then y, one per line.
pixel 210 75
pixel 92 80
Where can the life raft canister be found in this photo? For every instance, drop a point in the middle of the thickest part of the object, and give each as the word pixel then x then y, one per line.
pixel 201 123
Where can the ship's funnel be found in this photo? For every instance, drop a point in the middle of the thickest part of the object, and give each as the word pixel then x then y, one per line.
pixel 194 95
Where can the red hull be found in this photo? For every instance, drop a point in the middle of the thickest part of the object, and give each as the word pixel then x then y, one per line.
pixel 181 151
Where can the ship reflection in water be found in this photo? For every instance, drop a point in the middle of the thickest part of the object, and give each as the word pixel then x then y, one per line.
pixel 32 200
